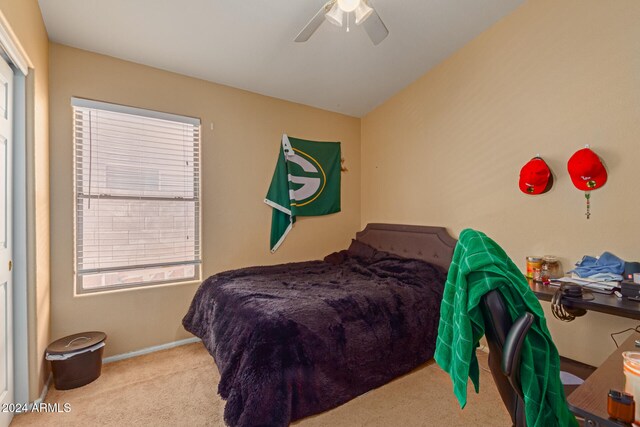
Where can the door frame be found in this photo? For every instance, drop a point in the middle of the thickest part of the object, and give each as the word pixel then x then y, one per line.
pixel 21 64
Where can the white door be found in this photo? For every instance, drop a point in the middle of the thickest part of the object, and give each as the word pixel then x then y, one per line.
pixel 6 314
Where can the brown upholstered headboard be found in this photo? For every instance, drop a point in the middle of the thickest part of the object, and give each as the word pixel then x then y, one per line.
pixel 431 244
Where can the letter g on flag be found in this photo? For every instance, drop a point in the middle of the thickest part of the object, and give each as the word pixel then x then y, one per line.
pixel 312 178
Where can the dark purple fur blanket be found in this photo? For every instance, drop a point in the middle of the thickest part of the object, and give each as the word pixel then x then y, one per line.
pixel 296 339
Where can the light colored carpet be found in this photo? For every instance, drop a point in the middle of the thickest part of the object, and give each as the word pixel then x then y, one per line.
pixel 177 387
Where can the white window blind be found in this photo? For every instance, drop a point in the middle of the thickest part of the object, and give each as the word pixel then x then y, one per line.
pixel 137 188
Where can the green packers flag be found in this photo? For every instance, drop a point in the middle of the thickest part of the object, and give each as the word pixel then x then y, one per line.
pixel 306 182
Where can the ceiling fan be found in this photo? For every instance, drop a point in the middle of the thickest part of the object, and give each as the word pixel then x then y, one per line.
pixel 335 12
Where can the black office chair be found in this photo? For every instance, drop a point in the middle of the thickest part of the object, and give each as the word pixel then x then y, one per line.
pixel 505 338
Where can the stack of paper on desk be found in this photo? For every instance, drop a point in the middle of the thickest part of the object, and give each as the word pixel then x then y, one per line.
pixel 594 285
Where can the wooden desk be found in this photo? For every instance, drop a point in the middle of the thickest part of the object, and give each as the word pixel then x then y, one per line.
pixel 590 399
pixel 609 304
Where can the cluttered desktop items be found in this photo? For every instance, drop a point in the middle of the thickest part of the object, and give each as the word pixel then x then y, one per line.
pixel 610 396
pixel 623 406
pixel 605 274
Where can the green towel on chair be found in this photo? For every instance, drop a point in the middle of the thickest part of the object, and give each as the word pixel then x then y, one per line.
pixel 478 266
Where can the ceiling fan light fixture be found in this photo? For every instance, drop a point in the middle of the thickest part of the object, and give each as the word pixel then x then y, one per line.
pixel 349 5
pixel 335 11
pixel 335 15
pixel 363 11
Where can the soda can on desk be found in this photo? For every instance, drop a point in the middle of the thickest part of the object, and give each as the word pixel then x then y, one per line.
pixel 533 262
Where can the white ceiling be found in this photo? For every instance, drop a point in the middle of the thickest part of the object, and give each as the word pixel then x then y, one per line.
pixel 249 44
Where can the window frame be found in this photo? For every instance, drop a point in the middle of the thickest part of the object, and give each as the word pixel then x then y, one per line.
pixel 79 290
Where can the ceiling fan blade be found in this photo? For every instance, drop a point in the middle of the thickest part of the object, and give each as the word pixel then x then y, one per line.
pixel 375 28
pixel 314 24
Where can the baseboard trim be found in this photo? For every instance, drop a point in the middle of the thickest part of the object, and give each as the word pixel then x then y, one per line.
pixel 45 390
pixel 148 350
pixel 47 384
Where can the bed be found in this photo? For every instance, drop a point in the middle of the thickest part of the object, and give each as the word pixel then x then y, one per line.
pixel 297 339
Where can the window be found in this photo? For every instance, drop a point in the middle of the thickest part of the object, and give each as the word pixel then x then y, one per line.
pixel 137 197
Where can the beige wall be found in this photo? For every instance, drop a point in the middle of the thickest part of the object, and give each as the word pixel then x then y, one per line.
pixel 547 79
pixel 238 158
pixel 26 22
